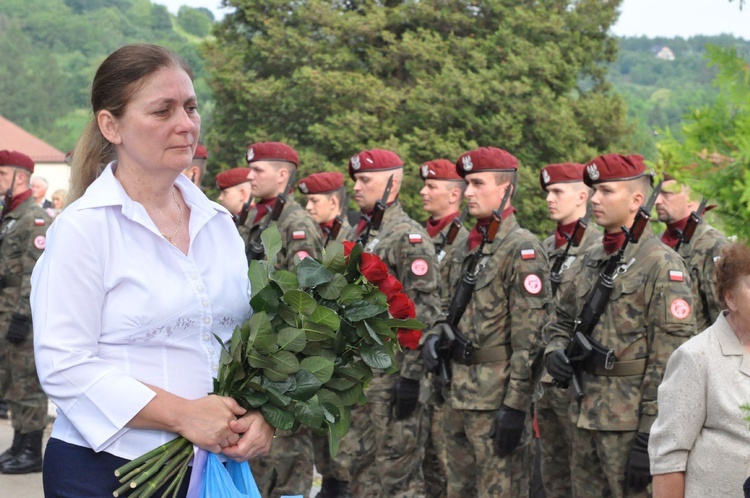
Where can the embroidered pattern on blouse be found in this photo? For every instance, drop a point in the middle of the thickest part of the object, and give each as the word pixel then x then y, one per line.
pixel 165 330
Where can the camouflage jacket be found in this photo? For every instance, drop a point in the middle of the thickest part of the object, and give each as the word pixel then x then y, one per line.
pixel 299 233
pixel 439 242
pixel 23 233
pixel 700 257
pixel 591 238
pixel 649 314
pixel 408 252
pixel 506 310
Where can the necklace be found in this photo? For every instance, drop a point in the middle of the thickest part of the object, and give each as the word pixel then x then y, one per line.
pixel 179 222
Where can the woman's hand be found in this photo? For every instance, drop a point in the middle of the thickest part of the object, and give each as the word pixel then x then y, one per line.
pixel 255 437
pixel 206 422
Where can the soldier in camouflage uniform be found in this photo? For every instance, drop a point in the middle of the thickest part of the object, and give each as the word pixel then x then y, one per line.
pixel 567 198
pixel 287 470
pixel 22 238
pixel 648 315
pixel 326 197
pixel 442 194
pixel 487 414
pixel 234 190
pixel 390 430
pixel 673 207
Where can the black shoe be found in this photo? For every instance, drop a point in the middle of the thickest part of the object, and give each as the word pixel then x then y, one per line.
pixel 29 459
pixel 15 448
pixel 333 488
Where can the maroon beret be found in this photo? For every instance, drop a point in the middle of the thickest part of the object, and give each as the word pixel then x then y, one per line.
pixel 560 173
pixel 200 152
pixel 613 168
pixel 374 160
pixel 272 151
pixel 321 183
pixel 439 169
pixel 486 159
pixel 231 177
pixel 17 159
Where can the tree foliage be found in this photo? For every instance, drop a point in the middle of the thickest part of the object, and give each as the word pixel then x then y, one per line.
pixel 427 79
pixel 714 155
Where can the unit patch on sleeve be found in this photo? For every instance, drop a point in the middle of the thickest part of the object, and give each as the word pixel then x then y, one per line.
pixel 528 254
pixel 676 276
pixel 303 254
pixel 38 222
pixel 533 284
pixel 40 241
pixel 680 308
pixel 299 235
pixel 419 267
pixel 415 238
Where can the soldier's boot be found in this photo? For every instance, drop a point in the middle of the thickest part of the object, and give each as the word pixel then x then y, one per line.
pixel 15 448
pixel 29 459
pixel 333 488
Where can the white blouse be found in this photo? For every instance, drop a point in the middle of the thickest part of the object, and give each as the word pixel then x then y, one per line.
pixel 116 306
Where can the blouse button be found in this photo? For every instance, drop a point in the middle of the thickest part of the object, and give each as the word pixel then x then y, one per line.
pixel 201 288
pixel 205 303
pixel 207 320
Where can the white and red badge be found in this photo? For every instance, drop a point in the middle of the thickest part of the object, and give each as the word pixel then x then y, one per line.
pixel 39 222
pixel 533 284
pixel 303 254
pixel 40 241
pixel 299 235
pixel 415 238
pixel 528 254
pixel 419 267
pixel 680 308
pixel 676 276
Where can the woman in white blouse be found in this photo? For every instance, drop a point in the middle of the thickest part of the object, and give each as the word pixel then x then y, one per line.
pixel 700 442
pixel 138 275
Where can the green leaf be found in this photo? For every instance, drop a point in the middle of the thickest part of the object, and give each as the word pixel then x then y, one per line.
pixel 300 302
pixel 306 387
pixel 278 418
pixel 265 300
pixel 312 348
pixel 275 376
pixel 373 333
pixel 281 386
pixel 286 314
pixel 271 239
pixel 254 399
pixel 352 396
pixel 310 414
pixel 340 383
pixel 258 274
pixel 375 356
pixel 320 367
pixel 258 360
pixel 352 269
pixel 351 293
pixel 317 332
pixel 325 316
pixel 311 273
pixel 332 290
pixel 291 339
pixel 285 362
pixel 278 398
pixel 333 257
pixel 361 311
pixel 285 279
pixel 265 338
pixel 411 323
pixel 338 430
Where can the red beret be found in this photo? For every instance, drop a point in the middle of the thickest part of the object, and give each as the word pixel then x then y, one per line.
pixel 321 183
pixel 200 152
pixel 439 169
pixel 613 168
pixel 17 159
pixel 231 177
pixel 560 173
pixel 486 159
pixel 374 160
pixel 272 151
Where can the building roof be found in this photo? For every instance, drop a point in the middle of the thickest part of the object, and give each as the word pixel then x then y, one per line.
pixel 13 137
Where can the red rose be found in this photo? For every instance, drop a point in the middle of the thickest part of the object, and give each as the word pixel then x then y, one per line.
pixel 409 339
pixel 348 246
pixel 401 307
pixel 373 268
pixel 390 286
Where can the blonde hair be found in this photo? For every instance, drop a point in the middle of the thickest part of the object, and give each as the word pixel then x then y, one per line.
pixel 116 81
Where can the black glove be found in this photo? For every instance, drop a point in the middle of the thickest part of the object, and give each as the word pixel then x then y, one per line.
pixel 558 366
pixel 638 470
pixel 19 328
pixel 405 397
pixel 430 354
pixel 506 430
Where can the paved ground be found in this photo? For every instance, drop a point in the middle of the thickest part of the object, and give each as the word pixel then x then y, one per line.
pixel 30 485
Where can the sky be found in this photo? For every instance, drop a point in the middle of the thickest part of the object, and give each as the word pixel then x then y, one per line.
pixel 668 18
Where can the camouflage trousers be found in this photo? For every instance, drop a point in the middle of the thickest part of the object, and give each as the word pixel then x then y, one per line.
pixel 434 466
pixel 386 456
pixel 287 469
pixel 598 463
pixel 338 467
pixel 19 385
pixel 556 430
pixel 473 468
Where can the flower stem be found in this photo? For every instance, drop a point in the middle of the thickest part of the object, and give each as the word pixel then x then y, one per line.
pixel 144 458
pixel 163 477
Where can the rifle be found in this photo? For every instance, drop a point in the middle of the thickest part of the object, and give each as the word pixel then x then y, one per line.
pixel 375 218
pixel 456 225
pixel 583 348
pixel 695 218
pixel 244 212
pixel 574 240
pixel 255 250
pixel 458 347
pixel 333 232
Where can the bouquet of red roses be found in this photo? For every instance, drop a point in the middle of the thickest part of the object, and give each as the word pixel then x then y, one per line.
pixel 306 354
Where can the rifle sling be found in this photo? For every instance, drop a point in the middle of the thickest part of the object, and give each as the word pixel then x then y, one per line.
pixel 486 355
